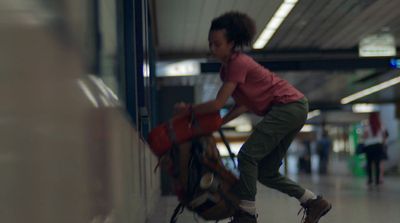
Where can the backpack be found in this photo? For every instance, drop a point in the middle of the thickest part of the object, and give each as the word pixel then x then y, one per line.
pixel 188 152
pixel 200 180
pixel 180 129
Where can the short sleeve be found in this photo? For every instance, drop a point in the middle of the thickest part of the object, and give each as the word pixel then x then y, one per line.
pixel 236 70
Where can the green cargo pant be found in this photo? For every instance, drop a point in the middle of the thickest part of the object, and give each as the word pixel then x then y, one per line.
pixel 261 155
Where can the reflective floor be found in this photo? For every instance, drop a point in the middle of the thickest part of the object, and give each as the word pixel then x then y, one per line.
pixel 352 200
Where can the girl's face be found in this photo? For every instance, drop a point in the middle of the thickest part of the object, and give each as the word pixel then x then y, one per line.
pixel 219 45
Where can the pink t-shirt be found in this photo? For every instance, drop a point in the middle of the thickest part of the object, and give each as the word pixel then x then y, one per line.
pixel 257 87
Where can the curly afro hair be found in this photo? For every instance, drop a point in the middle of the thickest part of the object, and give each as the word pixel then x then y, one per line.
pixel 239 27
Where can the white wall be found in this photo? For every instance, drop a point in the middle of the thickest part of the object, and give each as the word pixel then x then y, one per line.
pixel 389 120
pixel 67 151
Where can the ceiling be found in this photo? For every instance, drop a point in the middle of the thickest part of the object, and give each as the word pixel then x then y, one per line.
pixel 329 29
pixel 182 25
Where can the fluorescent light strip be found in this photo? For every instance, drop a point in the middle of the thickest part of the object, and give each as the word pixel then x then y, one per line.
pixel 364 108
pixel 370 90
pixel 273 25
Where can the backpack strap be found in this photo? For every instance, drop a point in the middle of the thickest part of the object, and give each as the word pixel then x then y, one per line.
pixel 175 156
pixel 231 154
pixel 171 132
pixel 178 211
pixel 194 168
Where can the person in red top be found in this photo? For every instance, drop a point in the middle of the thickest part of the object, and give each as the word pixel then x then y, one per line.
pixel 256 89
pixel 375 137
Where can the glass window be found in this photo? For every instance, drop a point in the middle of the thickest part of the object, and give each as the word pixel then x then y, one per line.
pixel 108 45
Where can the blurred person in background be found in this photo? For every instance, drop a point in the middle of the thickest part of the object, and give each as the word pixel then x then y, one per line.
pixel 324 146
pixel 374 138
pixel 304 164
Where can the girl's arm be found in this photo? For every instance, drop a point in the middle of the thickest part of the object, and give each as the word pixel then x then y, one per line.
pixel 233 113
pixel 224 93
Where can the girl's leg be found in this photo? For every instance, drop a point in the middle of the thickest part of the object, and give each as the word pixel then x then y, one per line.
pixel 369 167
pixel 383 157
pixel 382 171
pixel 249 155
pixel 266 138
pixel 269 170
pixel 377 170
pixel 315 206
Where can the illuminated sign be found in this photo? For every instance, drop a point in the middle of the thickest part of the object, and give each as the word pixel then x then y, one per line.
pixel 395 63
pixel 380 45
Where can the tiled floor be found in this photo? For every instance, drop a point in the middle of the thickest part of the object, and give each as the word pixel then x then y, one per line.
pixel 352 201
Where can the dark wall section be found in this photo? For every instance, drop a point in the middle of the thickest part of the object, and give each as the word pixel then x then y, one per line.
pixel 169 96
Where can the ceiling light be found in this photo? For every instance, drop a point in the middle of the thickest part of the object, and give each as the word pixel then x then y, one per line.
pixel 273 25
pixel 370 90
pixel 265 35
pixel 181 68
pixel 378 45
pixel 364 108
pixel 284 10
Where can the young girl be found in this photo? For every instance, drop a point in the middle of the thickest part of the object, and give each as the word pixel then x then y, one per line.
pixel 258 90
